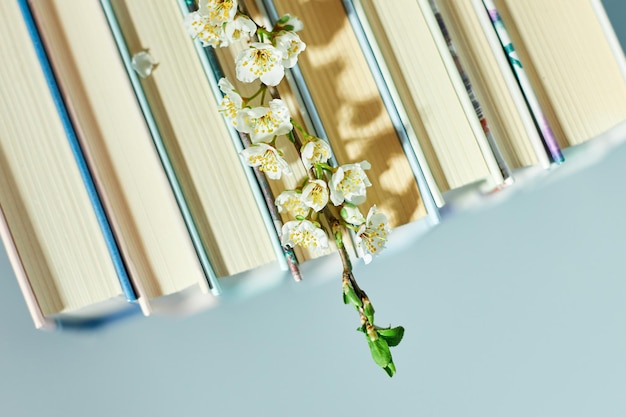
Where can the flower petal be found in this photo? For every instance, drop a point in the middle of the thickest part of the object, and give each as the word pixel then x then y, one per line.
pixel 267 159
pixel 315 194
pixel 262 61
pixel 304 234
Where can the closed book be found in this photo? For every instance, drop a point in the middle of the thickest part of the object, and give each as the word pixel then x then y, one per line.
pixel 340 99
pixel 112 131
pixel 54 226
pixel 229 221
pixel 573 63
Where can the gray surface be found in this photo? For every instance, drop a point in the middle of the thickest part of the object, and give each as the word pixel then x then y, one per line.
pixel 515 310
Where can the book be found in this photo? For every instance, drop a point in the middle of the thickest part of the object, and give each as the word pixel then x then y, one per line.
pixel 86 111
pixel 213 70
pixel 467 83
pixel 220 62
pixel 432 93
pixel 495 84
pixel 112 131
pixel 341 102
pixel 545 131
pixel 573 64
pixel 229 219
pixel 53 224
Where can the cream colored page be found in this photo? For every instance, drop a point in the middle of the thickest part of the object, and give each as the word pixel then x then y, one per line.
pixel 20 275
pixel 41 192
pixel 351 109
pixel 431 91
pixel 152 233
pixel 203 155
pixel 571 64
pixel 477 58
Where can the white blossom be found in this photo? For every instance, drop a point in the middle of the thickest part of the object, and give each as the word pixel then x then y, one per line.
pixel 239 28
pixel 305 234
pixel 315 194
pixel 316 150
pixel 201 27
pixel 371 237
pixel 262 61
pixel 232 102
pixel 289 201
pixel 267 159
pixel 218 11
pixel 348 183
pixel 290 44
pixel 263 123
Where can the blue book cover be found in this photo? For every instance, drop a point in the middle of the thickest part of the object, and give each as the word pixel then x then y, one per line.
pixel 79 157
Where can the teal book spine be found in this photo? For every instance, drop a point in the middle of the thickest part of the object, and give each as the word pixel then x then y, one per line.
pixel 211 277
pixel 549 141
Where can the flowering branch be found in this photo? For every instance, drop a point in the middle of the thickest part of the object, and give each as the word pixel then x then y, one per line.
pixel 219 23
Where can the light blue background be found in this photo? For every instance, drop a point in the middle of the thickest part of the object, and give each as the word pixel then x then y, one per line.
pixel 518 309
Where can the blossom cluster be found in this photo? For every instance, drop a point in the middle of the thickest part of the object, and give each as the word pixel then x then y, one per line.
pixel 268 52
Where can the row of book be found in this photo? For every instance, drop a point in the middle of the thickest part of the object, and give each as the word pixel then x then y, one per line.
pixel 121 191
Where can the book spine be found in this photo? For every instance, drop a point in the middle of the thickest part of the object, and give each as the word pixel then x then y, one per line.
pixel 259 184
pixel 481 140
pixel 549 140
pixel 429 191
pixel 211 277
pixel 505 171
pixel 513 86
pixel 105 227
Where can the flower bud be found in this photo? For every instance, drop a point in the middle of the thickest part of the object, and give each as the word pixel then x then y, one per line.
pixel 372 333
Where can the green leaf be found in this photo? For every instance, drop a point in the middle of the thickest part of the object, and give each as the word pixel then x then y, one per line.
pixel 351 295
pixel 392 336
pixel 390 369
pixel 345 298
pixel 380 352
pixel 284 19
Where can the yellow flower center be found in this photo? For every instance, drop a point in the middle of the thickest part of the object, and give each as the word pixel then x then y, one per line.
pixel 221 11
pixel 229 109
pixel 374 238
pixel 317 195
pixel 264 61
pixel 349 182
pixel 303 238
pixel 295 206
pixel 265 124
pixel 294 46
pixel 266 161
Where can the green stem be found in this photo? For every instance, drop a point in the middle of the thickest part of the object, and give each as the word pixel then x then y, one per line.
pixel 300 128
pixel 261 89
